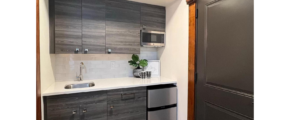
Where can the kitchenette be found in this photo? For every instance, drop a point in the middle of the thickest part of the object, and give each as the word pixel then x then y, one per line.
pixel 106 60
pixel 112 99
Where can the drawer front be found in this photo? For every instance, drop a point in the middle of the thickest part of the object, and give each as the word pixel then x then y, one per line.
pixel 127 94
pixel 162 97
pixel 164 114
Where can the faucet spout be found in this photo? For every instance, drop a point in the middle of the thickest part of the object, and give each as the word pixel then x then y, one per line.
pixel 80 77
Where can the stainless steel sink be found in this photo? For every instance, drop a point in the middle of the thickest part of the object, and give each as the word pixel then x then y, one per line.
pixel 81 85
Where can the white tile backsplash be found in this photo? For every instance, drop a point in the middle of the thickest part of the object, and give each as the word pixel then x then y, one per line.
pixel 99 66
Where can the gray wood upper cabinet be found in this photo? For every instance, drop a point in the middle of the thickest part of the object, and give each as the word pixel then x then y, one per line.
pixel 123 27
pixel 153 17
pixel 93 26
pixel 68 17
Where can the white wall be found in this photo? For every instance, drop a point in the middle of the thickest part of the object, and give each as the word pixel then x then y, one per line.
pixel 174 57
pixel 46 60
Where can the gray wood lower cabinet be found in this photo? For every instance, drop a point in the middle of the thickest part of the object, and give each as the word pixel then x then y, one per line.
pixel 127 104
pixel 80 106
pixel 119 104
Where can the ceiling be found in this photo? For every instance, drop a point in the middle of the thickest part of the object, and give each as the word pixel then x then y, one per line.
pixel 156 2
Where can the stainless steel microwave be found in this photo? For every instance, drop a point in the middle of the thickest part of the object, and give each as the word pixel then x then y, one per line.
pixel 152 38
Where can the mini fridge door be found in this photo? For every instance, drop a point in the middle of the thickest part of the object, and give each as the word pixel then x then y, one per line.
pixel 163 114
pixel 162 96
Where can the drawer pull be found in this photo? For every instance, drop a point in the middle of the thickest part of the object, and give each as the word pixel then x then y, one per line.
pixel 84 110
pixel 128 96
pixel 74 112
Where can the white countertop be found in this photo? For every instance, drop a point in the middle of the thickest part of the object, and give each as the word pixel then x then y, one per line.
pixel 106 84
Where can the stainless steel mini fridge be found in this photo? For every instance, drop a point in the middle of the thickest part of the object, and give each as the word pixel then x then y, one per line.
pixel 162 102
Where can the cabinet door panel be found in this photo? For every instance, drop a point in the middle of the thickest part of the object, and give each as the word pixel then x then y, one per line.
pixel 122 11
pixel 68 15
pixel 68 26
pixel 133 116
pixel 93 105
pixel 61 107
pixel 123 37
pixel 68 38
pixel 94 111
pixel 127 104
pixel 153 17
pixel 68 49
pixel 93 26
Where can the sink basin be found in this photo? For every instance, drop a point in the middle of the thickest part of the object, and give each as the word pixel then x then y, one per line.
pixel 81 85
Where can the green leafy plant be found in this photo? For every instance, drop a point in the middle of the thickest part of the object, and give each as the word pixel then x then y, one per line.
pixel 137 63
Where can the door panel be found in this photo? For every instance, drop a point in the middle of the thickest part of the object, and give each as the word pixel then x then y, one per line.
pixel 224 89
pixel 213 112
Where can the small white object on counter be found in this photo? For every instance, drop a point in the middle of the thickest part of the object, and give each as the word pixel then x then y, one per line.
pixel 105 84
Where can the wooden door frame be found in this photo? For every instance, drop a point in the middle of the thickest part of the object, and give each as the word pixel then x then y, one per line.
pixel 38 85
pixel 191 59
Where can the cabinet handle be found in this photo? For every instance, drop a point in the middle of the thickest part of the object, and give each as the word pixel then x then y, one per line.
pixel 109 51
pixel 111 110
pixel 86 51
pixel 77 50
pixel 74 112
pixel 84 110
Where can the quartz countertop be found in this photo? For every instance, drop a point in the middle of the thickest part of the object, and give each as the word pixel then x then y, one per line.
pixel 106 84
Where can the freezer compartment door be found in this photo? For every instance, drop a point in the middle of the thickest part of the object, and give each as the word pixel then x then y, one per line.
pixel 163 114
pixel 162 97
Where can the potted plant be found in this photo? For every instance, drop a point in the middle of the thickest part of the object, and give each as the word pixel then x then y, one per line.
pixel 138 64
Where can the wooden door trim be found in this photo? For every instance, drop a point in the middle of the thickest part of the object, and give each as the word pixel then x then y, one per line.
pixel 191 62
pixel 38 85
pixel 190 2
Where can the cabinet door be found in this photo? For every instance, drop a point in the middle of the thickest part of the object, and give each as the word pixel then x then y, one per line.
pixel 62 107
pixel 93 26
pixel 68 26
pixel 127 104
pixel 122 27
pixel 93 106
pixel 153 17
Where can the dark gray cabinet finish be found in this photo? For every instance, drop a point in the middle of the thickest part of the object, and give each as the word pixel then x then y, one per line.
pixel 99 25
pixel 67 25
pixel 123 27
pixel 93 26
pixel 153 17
pixel 119 104
pixel 127 104
pixel 62 107
pixel 123 37
pixel 80 106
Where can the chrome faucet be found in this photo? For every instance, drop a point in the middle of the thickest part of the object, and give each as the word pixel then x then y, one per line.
pixel 80 77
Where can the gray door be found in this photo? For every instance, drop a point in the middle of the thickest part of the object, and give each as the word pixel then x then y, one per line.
pixel 224 88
